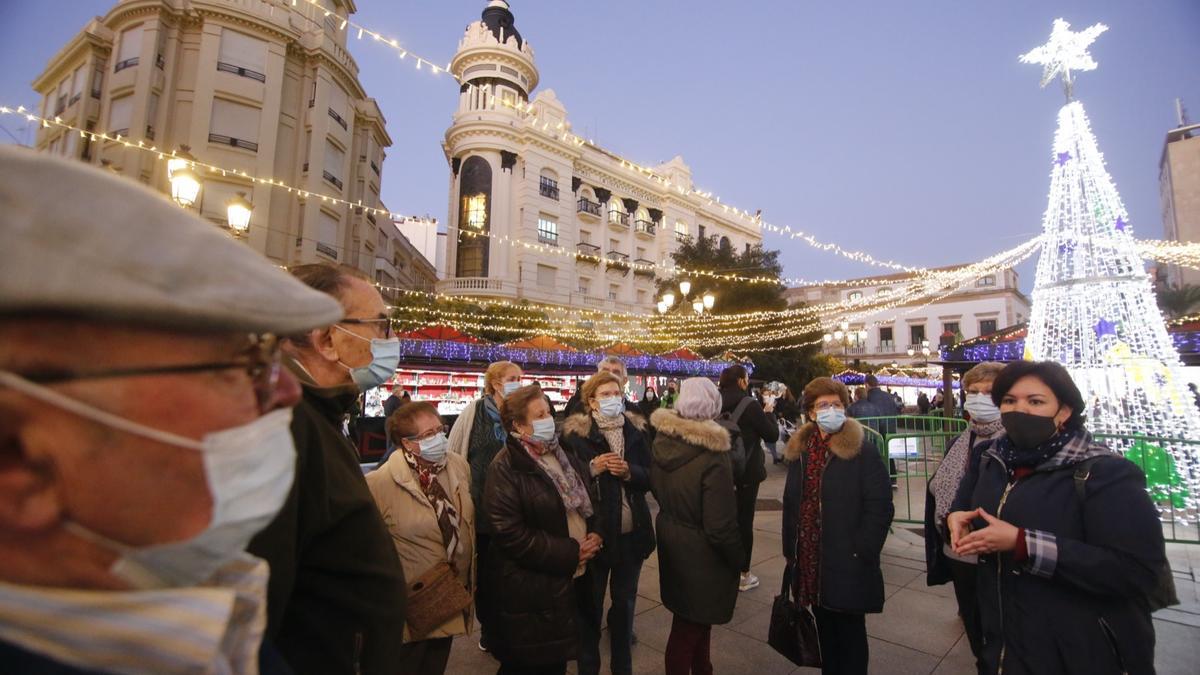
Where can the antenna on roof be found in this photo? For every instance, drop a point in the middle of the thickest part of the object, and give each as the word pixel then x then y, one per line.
pixel 1181 113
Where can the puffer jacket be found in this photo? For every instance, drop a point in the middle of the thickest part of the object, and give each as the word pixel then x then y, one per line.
pixel 699 549
pixel 411 521
pixel 1079 602
pixel 531 561
pixel 582 436
pixel 856 511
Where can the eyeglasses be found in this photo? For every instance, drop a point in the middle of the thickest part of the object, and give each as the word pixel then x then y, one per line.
pixel 261 360
pixel 829 405
pixel 428 434
pixel 385 324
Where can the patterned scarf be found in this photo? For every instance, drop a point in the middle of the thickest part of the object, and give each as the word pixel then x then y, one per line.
pixel 613 430
pixel 1015 457
pixel 443 509
pixel 570 488
pixel 493 413
pixel 807 577
pixel 946 479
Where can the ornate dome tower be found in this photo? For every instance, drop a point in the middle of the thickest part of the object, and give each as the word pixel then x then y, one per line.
pixel 496 68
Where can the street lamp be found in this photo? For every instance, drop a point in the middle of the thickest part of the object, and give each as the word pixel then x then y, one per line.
pixel 685 287
pixel 698 306
pixel 845 326
pixel 662 307
pixel 185 186
pixel 709 300
pixel 668 299
pixel 238 211
pixel 179 160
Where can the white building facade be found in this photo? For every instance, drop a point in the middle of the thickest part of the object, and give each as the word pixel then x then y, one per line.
pixel 987 305
pixel 536 214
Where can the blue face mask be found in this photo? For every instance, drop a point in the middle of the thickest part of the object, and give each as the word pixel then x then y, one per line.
pixel 510 387
pixel 385 356
pixel 831 420
pixel 434 449
pixel 543 429
pixel 612 406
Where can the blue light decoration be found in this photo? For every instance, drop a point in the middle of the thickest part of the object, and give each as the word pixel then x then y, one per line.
pixel 1186 342
pixel 428 351
pixel 852 378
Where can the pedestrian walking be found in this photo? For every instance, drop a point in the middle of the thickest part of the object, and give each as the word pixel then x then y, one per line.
pixel 700 553
pixel 424 495
pixel 544 526
pixel 756 427
pixel 1071 553
pixel 479 435
pixel 612 441
pixel 941 562
pixel 837 509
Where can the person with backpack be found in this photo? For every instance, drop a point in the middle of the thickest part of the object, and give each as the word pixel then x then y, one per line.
pixel 1071 553
pixel 754 427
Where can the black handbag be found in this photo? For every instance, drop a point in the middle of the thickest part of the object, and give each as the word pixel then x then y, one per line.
pixel 793 631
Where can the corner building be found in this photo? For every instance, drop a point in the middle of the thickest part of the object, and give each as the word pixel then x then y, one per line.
pixel 538 214
pixel 261 86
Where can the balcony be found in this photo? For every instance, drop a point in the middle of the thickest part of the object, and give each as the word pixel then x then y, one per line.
pixel 618 261
pixel 645 227
pixel 338 118
pixel 127 63
pixel 587 207
pixel 326 249
pixel 160 62
pixel 644 267
pixel 618 219
pixel 548 188
pixel 375 168
pixel 223 67
pixel 548 238
pixel 886 347
pixel 477 286
pixel 233 142
pixel 587 253
pixel 332 179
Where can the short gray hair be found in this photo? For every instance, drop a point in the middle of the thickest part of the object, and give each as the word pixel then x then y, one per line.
pixel 699 399
pixel 617 361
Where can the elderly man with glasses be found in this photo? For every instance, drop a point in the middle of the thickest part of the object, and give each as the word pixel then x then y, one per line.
pixel 337 591
pixel 143 427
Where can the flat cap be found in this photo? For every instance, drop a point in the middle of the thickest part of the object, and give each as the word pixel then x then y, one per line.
pixel 85 242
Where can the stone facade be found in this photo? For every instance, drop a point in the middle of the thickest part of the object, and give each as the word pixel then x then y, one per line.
pixel 1179 183
pixel 565 218
pixel 259 86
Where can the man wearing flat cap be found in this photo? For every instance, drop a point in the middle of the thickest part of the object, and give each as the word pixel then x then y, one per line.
pixel 337 589
pixel 144 427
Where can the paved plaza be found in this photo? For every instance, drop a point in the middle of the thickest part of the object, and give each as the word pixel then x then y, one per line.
pixel 917 633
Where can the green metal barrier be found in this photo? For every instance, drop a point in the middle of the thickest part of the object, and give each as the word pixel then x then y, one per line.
pixel 914 446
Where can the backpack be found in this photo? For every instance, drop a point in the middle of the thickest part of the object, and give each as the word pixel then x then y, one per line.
pixel 1163 594
pixel 737 449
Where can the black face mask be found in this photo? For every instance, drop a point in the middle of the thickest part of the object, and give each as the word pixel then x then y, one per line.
pixel 1027 431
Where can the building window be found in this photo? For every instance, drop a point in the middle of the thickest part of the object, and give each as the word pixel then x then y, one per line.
pixel 234 124
pixel 987 326
pixel 585 286
pixel 726 244
pixel 916 335
pixel 120 112
pixel 475 189
pixel 681 230
pixel 77 85
pixel 883 293
pixel 613 291
pixel 547 276
pixel 242 55
pixel 339 105
pixel 989 280
pixel 327 231
pixel 475 208
pixel 950 327
pixel 641 297
pixel 547 231
pixel 887 341
pixel 548 187
pixel 856 295
pixel 129 50
pixel 616 213
pixel 700 234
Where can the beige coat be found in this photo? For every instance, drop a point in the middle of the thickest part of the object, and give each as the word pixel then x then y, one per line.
pixel 410 520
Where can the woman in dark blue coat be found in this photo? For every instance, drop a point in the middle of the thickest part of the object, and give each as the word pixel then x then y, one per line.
pixel 1071 552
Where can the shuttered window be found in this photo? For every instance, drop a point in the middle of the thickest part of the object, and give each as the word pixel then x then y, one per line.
pixel 547 277
pixel 327 231
pixel 335 158
pixel 77 83
pixel 120 112
pixel 242 55
pixel 234 124
pixel 129 49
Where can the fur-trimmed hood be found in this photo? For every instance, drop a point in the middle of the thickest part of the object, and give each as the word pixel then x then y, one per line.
pixel 845 444
pixel 580 424
pixel 706 434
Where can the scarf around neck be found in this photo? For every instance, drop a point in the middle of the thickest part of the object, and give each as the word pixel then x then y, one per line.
pixel 566 481
pixel 493 413
pixel 613 430
pixel 1015 457
pixel 443 508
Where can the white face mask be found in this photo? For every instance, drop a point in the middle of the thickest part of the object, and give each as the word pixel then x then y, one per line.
pixel 982 408
pixel 249 470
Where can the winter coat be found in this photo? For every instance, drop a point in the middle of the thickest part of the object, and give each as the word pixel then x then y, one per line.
pixel 411 520
pixel 787 410
pixel 756 426
pixel 582 436
pixel 883 401
pixel 1077 604
pixel 856 512
pixel 472 437
pixel 699 549
pixel 531 561
pixel 18 659
pixel 335 579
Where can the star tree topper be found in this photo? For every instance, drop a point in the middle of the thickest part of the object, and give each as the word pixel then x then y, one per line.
pixel 1066 51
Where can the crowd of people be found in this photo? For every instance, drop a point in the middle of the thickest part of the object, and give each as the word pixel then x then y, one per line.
pixel 179 494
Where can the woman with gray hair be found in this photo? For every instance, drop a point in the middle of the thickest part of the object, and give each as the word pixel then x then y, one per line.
pixel 940 560
pixel 699 549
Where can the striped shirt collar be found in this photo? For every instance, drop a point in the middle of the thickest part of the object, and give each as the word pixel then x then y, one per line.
pixel 216 628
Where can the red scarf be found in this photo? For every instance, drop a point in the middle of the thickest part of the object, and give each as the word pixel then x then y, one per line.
pixel 807 575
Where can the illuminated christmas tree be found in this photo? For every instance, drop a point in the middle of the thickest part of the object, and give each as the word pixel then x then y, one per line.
pixel 1094 309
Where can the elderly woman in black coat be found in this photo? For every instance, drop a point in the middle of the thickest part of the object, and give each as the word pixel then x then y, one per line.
pixel 837 507
pixel 543 522
pixel 1071 552
pixel 612 441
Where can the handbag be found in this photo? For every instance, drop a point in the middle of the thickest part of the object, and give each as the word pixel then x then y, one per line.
pixel 793 631
pixel 433 599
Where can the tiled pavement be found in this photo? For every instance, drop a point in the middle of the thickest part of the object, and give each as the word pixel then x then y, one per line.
pixel 918 631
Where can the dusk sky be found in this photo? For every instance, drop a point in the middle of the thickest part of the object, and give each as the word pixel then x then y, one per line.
pixel 905 129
